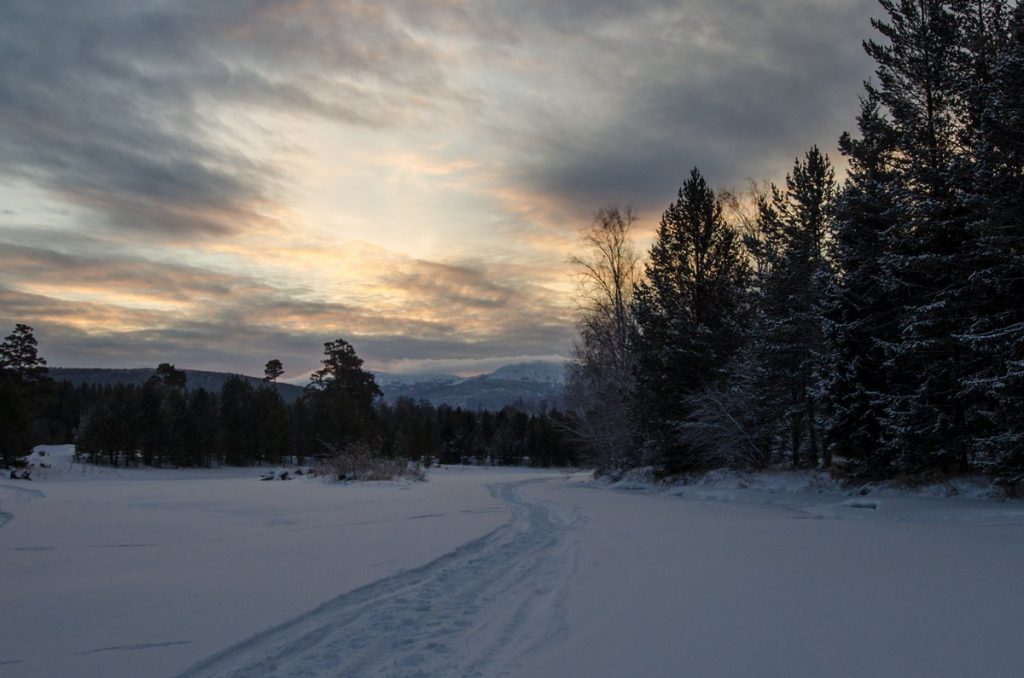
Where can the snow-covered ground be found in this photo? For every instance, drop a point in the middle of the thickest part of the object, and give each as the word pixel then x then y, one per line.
pixel 489 572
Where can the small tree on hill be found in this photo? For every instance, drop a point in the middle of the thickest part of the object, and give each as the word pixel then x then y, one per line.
pixel 167 375
pixel 273 369
pixel 19 353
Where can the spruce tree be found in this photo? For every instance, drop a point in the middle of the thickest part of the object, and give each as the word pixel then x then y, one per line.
pixel 860 317
pixel 996 287
pixel 790 345
pixel 690 315
pixel 921 94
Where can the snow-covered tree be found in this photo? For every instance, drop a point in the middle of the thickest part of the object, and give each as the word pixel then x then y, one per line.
pixel 996 286
pixel 789 344
pixel 860 316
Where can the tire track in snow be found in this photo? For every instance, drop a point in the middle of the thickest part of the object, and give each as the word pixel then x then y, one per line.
pixel 472 612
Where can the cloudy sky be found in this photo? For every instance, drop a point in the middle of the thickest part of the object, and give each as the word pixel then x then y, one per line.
pixel 215 184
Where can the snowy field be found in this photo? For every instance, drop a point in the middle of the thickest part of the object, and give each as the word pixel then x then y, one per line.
pixel 495 572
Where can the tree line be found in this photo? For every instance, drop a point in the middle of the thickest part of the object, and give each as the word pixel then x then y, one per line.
pixel 162 423
pixel 873 324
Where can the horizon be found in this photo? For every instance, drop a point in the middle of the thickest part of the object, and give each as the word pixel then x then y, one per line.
pixel 302 379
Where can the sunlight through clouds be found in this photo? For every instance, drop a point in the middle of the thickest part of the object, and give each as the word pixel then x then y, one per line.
pixel 267 175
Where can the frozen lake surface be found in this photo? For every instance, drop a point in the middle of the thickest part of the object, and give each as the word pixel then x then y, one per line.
pixel 495 572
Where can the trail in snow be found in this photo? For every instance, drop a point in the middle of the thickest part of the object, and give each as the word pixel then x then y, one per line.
pixel 473 612
pixel 16 493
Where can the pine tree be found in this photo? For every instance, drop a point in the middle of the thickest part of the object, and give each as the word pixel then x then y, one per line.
pixel 168 376
pixel 341 396
pixel 237 426
pixel 690 312
pixel 273 370
pixel 25 389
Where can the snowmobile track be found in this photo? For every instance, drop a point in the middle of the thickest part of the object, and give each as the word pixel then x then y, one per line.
pixel 472 612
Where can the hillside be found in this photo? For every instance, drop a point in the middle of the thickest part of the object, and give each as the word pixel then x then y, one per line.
pixel 530 384
pixel 533 384
pixel 196 379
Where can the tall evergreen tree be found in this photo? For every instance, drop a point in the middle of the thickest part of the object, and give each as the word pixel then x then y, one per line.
pixel 921 94
pixel 790 345
pixel 237 430
pixel 25 389
pixel 861 319
pixel 996 287
pixel 19 353
pixel 690 313
pixel 341 396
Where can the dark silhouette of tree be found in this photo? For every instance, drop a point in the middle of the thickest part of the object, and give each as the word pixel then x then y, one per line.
pixel 861 318
pixel 273 370
pixel 25 390
pixel 167 375
pixel 341 396
pixel 790 344
pixel 690 313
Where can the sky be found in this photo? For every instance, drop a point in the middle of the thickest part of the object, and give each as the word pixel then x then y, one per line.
pixel 215 184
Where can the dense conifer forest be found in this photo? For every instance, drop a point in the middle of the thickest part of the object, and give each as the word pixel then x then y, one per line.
pixel 873 324
pixel 161 423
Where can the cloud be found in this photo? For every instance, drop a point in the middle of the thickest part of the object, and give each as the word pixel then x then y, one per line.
pixel 130 109
pixel 647 90
pixel 130 311
pixel 198 171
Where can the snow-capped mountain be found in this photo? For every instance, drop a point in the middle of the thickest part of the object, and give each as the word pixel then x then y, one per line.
pixel 531 384
pixel 538 371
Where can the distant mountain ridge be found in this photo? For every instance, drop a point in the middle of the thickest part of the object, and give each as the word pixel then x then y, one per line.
pixel 531 384
pixel 195 379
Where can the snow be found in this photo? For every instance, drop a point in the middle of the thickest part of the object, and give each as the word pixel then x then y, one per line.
pixel 484 571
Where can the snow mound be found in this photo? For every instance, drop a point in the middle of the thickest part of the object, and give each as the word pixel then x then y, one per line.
pixel 967 487
pixel 633 479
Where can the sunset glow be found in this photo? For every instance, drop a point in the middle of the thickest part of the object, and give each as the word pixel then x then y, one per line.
pixel 218 184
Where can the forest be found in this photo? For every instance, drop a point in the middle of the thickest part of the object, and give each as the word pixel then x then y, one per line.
pixel 162 423
pixel 873 325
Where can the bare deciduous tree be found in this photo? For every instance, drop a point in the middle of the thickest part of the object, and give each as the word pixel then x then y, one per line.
pixel 600 381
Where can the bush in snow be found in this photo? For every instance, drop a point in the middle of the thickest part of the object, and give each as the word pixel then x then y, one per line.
pixel 358 461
